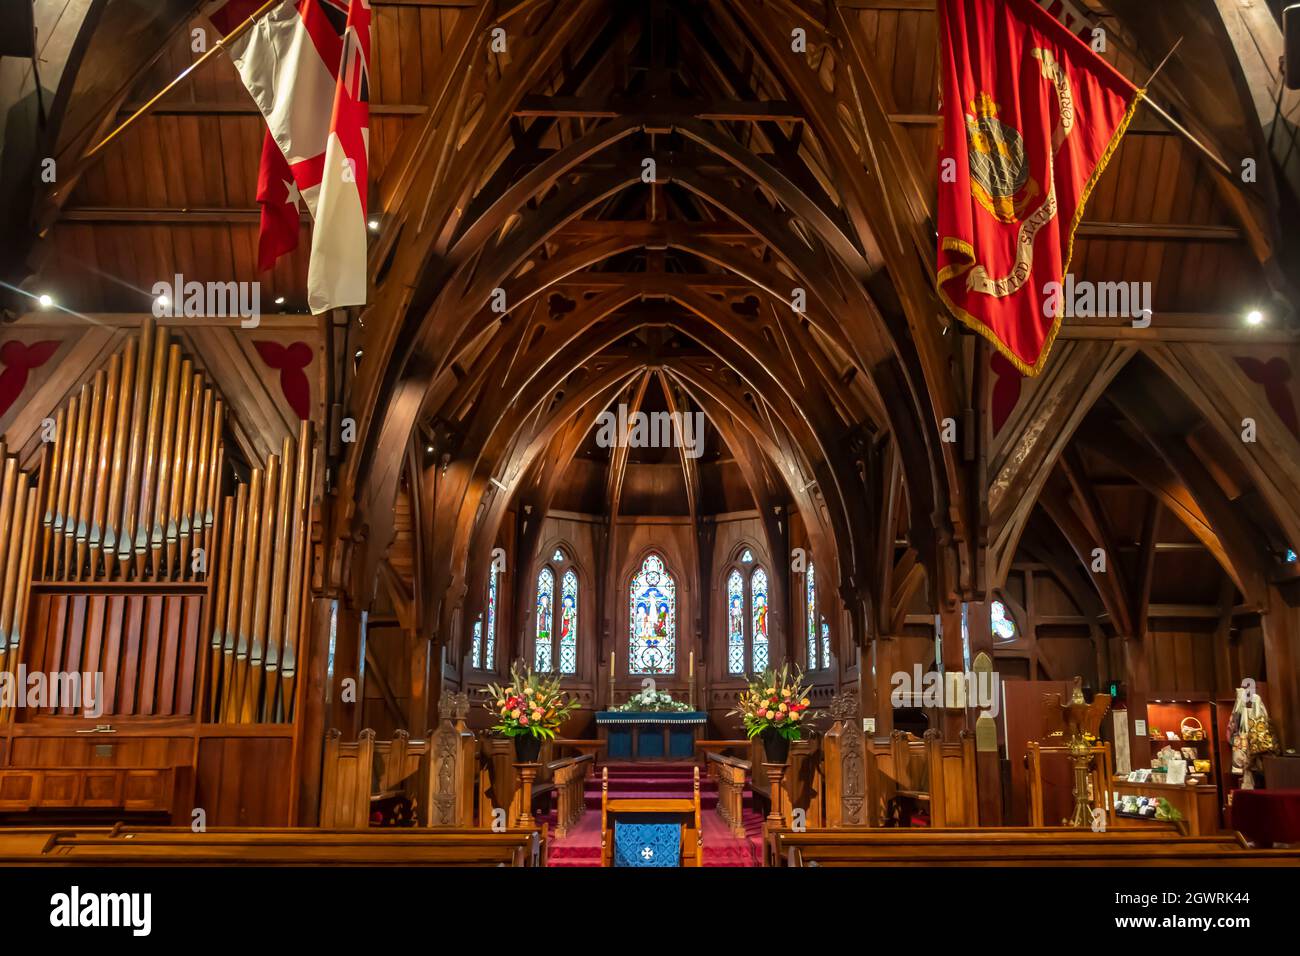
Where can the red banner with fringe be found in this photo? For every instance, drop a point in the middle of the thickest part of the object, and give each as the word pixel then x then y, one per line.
pixel 1031 116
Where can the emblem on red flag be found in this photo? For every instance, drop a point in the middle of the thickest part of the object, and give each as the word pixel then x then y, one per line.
pixel 1030 116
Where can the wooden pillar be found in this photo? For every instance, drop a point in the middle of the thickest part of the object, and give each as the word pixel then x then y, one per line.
pixel 1281 625
pixel 953 721
pixel 313 716
pixel 886 662
pixel 1137 675
pixel 988 762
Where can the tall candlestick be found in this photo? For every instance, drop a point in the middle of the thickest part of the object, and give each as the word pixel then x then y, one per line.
pixel 692 664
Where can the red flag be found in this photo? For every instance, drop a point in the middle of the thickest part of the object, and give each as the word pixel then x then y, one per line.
pixel 305 63
pixel 1031 116
pixel 278 195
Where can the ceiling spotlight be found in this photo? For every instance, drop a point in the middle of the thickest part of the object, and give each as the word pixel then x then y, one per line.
pixel 374 225
pixel 279 300
pixel 428 449
pixel 1254 317
pixel 45 300
pixel 162 301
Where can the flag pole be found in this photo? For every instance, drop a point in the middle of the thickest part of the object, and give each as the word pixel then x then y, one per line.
pixel 153 101
pixel 1178 127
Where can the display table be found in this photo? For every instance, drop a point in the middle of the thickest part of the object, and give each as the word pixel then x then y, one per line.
pixel 1266 817
pixel 648 735
pixel 1198 805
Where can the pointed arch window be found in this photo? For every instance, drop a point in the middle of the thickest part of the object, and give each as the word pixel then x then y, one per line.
pixel 652 612
pixel 758 607
pixel 555 646
pixel 818 632
pixel 735 623
pixel 483 645
pixel 747 608
pixel 545 607
pixel 1004 628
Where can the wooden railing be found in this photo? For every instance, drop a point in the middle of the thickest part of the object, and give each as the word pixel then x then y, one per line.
pixel 730 774
pixel 569 780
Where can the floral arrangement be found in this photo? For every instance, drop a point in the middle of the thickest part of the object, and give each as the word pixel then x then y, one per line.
pixel 777 700
pixel 650 700
pixel 531 705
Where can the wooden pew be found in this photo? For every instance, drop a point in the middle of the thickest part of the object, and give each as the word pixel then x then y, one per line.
pixel 1048 846
pixel 730 774
pixel 931 775
pixel 282 847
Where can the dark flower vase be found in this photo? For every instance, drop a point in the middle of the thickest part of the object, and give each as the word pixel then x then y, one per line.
pixel 528 748
pixel 775 746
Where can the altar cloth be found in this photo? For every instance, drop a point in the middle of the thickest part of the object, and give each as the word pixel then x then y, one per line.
pixel 650 735
pixel 653 840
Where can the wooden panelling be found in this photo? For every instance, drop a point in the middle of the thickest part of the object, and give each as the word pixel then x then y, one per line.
pixel 244 781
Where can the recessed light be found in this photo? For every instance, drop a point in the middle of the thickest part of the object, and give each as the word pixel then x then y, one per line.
pixel 279 300
pixel 162 301
pixel 1254 317
pixel 374 225
pixel 45 300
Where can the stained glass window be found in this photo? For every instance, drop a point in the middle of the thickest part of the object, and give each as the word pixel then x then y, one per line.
pixel 810 584
pixel 758 604
pixel 558 555
pixel 747 556
pixel 826 644
pixel 1003 627
pixel 652 605
pixel 569 623
pixel 476 646
pixel 490 645
pixel 735 623
pixel 545 606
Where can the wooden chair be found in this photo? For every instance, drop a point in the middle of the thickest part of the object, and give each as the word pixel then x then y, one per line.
pixel 687 808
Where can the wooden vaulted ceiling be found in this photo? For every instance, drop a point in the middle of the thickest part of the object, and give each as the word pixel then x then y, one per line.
pixel 522 170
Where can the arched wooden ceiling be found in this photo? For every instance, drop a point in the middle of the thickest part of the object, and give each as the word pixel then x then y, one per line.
pixel 774 170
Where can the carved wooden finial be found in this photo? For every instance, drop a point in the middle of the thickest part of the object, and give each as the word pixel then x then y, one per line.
pixel 844 706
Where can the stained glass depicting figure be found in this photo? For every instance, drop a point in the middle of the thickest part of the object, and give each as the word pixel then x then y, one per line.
pixel 476 646
pixel 652 607
pixel 545 608
pixel 826 644
pixel 758 602
pixel 810 586
pixel 1003 627
pixel 735 623
pixel 569 623
pixel 490 644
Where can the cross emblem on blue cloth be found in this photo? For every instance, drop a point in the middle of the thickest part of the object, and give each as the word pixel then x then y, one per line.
pixel 647 853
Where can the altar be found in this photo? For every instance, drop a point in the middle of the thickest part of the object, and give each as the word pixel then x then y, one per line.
pixel 650 735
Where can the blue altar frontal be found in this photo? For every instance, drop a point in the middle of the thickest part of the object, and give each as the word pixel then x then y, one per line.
pixel 650 735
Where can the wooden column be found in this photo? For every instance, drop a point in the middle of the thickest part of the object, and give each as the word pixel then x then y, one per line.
pixel 886 662
pixel 1281 624
pixel 954 719
pixel 988 769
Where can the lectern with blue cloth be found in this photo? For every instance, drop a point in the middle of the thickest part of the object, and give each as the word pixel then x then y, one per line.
pixel 649 831
pixel 650 735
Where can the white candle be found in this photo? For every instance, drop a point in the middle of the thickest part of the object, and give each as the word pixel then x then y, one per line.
pixel 692 674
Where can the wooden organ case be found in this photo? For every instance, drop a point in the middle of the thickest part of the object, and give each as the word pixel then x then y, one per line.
pixel 134 556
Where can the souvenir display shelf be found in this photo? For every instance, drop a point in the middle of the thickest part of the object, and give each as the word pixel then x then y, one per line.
pixel 1198 805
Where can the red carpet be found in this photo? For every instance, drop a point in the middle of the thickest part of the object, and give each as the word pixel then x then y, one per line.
pixel 581 845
